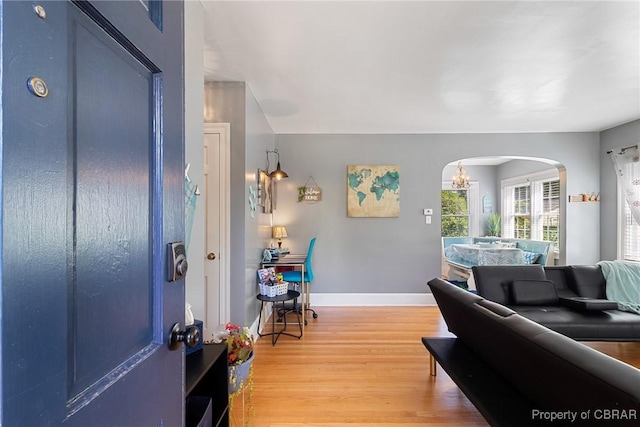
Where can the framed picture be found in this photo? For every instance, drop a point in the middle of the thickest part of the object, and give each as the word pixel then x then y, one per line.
pixel 373 191
pixel 487 204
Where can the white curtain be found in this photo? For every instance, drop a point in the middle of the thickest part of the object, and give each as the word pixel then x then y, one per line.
pixel 626 162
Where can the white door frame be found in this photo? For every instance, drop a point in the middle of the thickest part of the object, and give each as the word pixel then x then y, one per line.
pixel 224 130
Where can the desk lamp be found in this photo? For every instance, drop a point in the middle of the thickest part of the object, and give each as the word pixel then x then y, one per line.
pixel 279 232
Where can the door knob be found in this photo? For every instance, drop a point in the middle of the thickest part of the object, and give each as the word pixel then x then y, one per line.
pixel 211 256
pixel 190 336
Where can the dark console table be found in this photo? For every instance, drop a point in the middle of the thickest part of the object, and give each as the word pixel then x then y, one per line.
pixel 207 376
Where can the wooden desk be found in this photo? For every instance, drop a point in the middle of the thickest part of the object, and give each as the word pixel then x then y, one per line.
pixel 296 261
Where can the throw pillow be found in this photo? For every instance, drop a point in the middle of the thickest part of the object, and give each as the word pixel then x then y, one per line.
pixel 530 257
pixel 534 292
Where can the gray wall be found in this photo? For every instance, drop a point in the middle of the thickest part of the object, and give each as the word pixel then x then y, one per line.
pixel 251 136
pixel 259 139
pixel 486 178
pixel 194 141
pixel 620 136
pixel 516 168
pixel 398 255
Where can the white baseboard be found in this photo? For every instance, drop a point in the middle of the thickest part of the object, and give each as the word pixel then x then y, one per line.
pixel 362 300
pixel 351 300
pixel 254 329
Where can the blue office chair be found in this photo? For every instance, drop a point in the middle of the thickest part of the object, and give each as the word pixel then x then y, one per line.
pixel 296 276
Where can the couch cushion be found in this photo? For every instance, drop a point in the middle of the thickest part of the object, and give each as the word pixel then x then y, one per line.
pixel 530 257
pixel 534 292
pixel 493 281
pixel 587 281
pixel 608 325
pixel 557 275
pixel 588 304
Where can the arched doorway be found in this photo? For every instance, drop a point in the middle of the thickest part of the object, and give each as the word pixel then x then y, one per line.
pixel 526 195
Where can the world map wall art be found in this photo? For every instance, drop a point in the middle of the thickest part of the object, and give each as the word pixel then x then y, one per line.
pixel 373 191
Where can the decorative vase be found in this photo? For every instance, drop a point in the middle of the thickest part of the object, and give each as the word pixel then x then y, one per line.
pixel 239 374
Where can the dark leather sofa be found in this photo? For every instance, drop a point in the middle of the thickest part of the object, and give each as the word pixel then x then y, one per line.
pixel 567 299
pixel 545 373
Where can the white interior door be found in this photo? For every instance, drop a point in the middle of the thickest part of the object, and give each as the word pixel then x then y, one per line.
pixel 216 170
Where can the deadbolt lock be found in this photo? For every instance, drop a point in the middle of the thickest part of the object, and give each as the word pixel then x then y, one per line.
pixel 177 261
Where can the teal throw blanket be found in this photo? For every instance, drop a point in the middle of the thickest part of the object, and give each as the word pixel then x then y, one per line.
pixel 623 284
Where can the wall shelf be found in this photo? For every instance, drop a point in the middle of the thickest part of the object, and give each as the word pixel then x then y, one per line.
pixel 585 198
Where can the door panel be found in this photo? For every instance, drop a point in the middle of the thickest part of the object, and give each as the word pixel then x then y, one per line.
pixel 112 206
pixel 92 192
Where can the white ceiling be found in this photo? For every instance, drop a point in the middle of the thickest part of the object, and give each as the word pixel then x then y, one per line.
pixel 430 66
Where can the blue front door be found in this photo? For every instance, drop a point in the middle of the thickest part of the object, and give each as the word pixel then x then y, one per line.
pixel 92 192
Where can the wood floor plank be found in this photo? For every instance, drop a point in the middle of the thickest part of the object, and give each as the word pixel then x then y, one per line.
pixel 364 366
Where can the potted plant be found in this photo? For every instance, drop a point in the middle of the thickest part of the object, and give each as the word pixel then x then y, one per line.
pixel 301 192
pixel 494 225
pixel 240 344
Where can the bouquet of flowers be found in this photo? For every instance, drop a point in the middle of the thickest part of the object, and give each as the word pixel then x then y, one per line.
pixel 239 342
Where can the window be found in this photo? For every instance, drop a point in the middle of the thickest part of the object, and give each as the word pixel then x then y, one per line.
pixel 550 210
pixel 522 212
pixel 629 230
pixel 459 211
pixel 455 213
pixel 531 207
pixel 627 168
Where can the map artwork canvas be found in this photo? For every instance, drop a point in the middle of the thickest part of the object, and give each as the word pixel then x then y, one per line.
pixel 373 191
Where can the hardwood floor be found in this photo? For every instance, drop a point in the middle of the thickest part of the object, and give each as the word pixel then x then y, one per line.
pixel 364 366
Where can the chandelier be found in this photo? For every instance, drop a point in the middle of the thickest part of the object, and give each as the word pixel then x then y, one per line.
pixel 460 180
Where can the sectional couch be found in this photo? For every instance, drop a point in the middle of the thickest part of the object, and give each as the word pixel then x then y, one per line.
pixel 520 373
pixel 570 300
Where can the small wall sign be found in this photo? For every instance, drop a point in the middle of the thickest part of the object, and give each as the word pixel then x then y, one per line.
pixel 310 192
pixel 313 194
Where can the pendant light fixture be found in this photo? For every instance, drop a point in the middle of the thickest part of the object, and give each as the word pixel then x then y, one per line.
pixel 278 173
